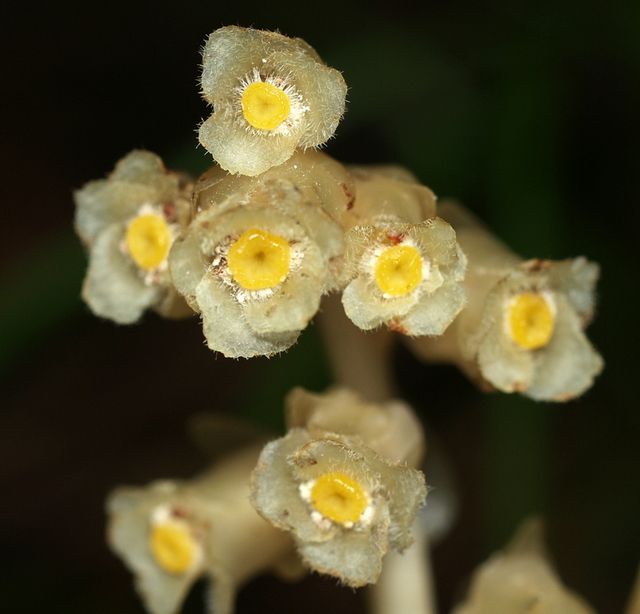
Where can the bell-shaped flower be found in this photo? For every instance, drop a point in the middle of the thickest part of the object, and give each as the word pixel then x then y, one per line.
pixel 128 223
pixel 270 95
pixel 260 253
pixel 171 533
pixel 521 580
pixel 344 503
pixel 523 329
pixel 402 265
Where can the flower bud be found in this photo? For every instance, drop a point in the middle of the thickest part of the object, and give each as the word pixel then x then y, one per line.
pixel 521 579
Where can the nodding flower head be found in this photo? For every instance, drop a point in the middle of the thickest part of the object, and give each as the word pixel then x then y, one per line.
pixel 339 482
pixel 524 327
pixel 170 533
pixel 530 338
pixel 128 223
pixel 271 94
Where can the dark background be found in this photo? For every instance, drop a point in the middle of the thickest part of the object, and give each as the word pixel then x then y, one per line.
pixel 527 111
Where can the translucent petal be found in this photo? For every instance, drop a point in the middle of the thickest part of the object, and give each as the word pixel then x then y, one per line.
pixel 130 510
pixel 507 367
pixel 568 364
pixel 113 287
pixel 291 308
pixel 435 311
pixel 239 150
pixel 102 203
pixel 368 309
pixel 226 329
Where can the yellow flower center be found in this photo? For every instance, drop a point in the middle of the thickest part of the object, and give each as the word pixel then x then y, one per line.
pixel 148 240
pixel 173 547
pixel 398 270
pixel 264 105
pixel 531 320
pixel 339 497
pixel 259 259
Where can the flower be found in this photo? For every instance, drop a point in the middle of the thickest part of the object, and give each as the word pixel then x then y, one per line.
pixel 260 253
pixel 403 266
pixel 171 533
pixel 521 579
pixel 271 94
pixel 523 328
pixel 345 504
pixel 128 222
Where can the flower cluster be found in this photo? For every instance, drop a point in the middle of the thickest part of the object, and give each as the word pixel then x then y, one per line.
pixel 252 247
pixel 267 235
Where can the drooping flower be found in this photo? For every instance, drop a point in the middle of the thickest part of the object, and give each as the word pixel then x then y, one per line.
pixel 128 223
pixel 344 503
pixel 521 579
pixel 402 265
pixel 271 94
pixel 260 253
pixel 171 533
pixel 523 329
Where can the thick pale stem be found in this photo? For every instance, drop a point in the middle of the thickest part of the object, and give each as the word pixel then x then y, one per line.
pixel 359 360
pixel 406 582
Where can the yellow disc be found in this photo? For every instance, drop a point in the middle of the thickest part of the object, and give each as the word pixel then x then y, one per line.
pixel 173 547
pixel 148 240
pixel 398 270
pixel 264 105
pixel 259 259
pixel 531 320
pixel 339 498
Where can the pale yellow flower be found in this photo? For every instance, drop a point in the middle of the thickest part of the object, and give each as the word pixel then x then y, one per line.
pixel 402 264
pixel 345 504
pixel 271 94
pixel 260 253
pixel 171 533
pixel 128 223
pixel 523 329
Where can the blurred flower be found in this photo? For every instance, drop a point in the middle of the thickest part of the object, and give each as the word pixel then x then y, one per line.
pixel 260 253
pixel 271 94
pixel 390 429
pixel 523 328
pixel 171 533
pixel 345 504
pixel 521 580
pixel 128 222
pixel 402 265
